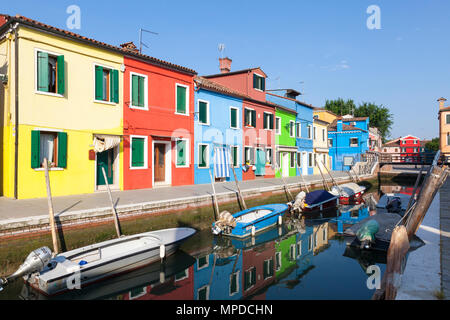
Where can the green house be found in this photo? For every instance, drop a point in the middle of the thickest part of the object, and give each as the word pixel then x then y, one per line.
pixel 286 252
pixel 286 131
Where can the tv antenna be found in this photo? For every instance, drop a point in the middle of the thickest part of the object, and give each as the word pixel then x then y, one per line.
pixel 140 38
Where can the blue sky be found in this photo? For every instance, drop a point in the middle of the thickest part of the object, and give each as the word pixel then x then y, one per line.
pixel 321 47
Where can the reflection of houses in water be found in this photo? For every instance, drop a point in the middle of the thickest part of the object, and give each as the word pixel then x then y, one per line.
pixel 218 277
pixel 320 238
pixel 285 256
pixel 351 215
pixel 177 287
pixel 390 189
pixel 258 269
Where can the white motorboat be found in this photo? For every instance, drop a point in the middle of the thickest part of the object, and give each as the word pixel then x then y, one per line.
pixel 348 192
pixel 80 267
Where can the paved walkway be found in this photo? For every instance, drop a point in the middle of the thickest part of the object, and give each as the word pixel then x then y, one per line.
pixel 22 209
pixel 445 237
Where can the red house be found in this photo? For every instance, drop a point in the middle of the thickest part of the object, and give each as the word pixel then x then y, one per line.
pixel 158 122
pixel 410 148
pixel 258 118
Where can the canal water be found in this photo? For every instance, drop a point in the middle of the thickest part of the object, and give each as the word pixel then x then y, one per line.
pixel 302 259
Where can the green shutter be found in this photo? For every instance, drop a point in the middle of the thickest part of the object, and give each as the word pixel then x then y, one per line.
pixel 42 62
pixel 35 149
pixel 181 99
pixel 203 155
pixel 135 90
pixel 137 152
pixel 235 156
pixel 98 83
pixel 254 118
pixel 255 81
pixel 234 118
pixel 181 153
pixel 141 92
pixel 61 75
pixel 62 150
pixel 203 112
pixel 263 84
pixel 246 117
pixel 233 284
pixel 271 121
pixel 114 85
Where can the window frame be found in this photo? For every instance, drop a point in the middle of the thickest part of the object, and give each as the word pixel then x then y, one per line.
pixel 208 114
pixel 187 165
pixel 36 90
pixel 237 273
pixel 187 99
pixel 298 129
pixel 111 103
pixel 310 160
pixel 264 79
pixel 237 155
pixel 131 106
pixel 447 118
pixel 203 288
pixel 266 118
pixel 250 118
pixel 199 154
pixel 269 163
pixel 251 149
pixel 278 130
pixel 291 127
pixel 145 167
pixel 353 145
pixel 299 158
pixel 237 118
pixel 292 164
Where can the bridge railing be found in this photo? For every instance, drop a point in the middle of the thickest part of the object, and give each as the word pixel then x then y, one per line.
pixel 410 158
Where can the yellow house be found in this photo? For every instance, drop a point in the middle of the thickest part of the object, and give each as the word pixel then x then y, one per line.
pixel 324 115
pixel 444 127
pixel 320 145
pixel 60 99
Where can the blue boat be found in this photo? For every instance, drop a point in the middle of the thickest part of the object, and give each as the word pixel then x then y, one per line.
pixel 251 221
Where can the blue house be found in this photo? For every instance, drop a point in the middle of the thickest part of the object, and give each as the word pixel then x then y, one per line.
pixel 348 139
pixel 303 127
pixel 218 278
pixel 217 131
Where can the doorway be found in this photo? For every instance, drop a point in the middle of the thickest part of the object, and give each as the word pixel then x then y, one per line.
pixel 161 163
pixel 285 171
pixel 105 160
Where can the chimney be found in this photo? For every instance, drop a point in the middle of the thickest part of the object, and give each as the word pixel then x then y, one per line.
pixel 339 125
pixel 441 102
pixel 225 64
pixel 130 46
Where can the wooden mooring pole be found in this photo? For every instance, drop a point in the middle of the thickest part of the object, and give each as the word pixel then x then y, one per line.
pixel 116 218
pixel 325 184
pixel 241 198
pixel 50 209
pixel 216 204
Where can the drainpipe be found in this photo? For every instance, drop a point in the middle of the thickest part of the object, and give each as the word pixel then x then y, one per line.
pixel 16 110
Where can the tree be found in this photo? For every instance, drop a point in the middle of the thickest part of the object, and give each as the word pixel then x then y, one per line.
pixel 433 145
pixel 379 116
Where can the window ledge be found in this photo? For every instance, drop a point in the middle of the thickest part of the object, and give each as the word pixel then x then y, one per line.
pixel 182 114
pixel 138 168
pixel 51 94
pixel 144 108
pixel 50 169
pixel 105 102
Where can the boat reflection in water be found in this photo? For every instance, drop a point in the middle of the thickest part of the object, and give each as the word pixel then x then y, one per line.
pixel 171 281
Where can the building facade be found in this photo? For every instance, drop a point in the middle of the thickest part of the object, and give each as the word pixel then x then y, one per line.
pixel 286 149
pixel 320 143
pixel 409 148
pixel 444 127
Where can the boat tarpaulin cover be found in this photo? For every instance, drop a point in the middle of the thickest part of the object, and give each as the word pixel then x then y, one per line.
pixel 317 197
pixel 222 161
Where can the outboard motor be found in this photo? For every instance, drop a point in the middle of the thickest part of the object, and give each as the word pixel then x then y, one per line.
pixel 394 205
pixel 299 202
pixel 35 262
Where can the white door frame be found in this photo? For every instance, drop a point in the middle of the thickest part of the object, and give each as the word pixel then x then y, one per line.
pixel 304 163
pixel 116 172
pixel 167 164
pixel 285 165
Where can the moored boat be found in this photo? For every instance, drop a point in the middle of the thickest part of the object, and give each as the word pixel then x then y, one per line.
pixel 78 268
pixel 315 201
pixel 393 203
pixel 249 222
pixel 348 192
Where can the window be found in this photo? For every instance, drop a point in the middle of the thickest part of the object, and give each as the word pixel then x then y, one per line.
pixel 310 243
pixel 138 91
pixel 50 145
pixel 330 143
pixel 234 283
pixel 448 139
pixel 182 153
pixel 298 129
pixel 203 112
pixel 234 118
pixel 310 159
pixel 182 99
pixel 202 262
pixel 182 275
pixel 403 149
pixel 314 133
pixel 268 268
pixel 137 292
pixel 278 261
pixel 106 84
pixel 259 82
pixel 250 118
pixel 249 278
pixel 50 73
pixel 447 118
pixel 354 142
pixel 309 132
pixel 291 129
pixel 138 152
pixel 278 125
pixel 203 155
pixel 323 135
pixel 203 293
pixel 292 254
pixel 299 248
pixel 268 121
pixel 235 156
pixel 269 156
pixel 249 155
pixel 299 159
pixel 415 150
pixel 315 159
pixel 292 164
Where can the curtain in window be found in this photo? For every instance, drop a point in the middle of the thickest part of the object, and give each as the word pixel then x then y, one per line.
pixel 47 147
pixel 105 142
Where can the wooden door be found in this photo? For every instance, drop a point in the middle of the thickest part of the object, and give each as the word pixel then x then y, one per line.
pixel 160 162
pixel 105 160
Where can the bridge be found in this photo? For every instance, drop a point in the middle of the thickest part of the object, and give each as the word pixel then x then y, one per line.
pixel 424 159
